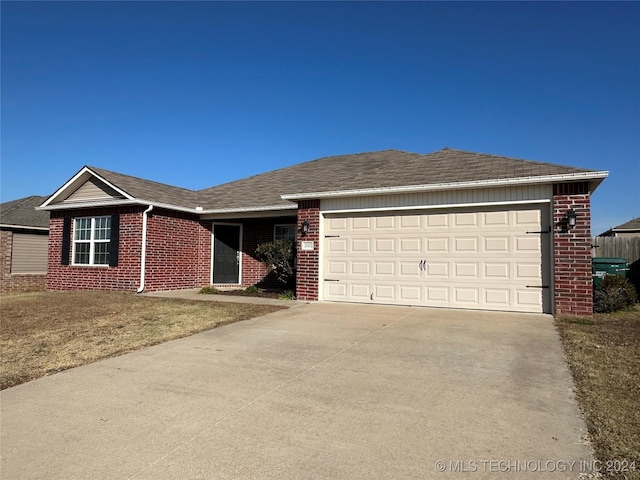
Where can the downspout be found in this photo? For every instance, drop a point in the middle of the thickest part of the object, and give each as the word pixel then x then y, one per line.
pixel 143 255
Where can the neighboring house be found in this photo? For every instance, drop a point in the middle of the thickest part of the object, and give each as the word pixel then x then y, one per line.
pixel 24 232
pixel 448 229
pixel 629 229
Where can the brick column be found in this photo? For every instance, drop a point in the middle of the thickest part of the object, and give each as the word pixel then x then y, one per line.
pixel 308 261
pixel 572 250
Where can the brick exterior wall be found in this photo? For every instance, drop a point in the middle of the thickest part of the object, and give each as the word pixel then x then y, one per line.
pixel 126 276
pixel 255 232
pixel 572 250
pixel 308 261
pixel 178 253
pixel 15 282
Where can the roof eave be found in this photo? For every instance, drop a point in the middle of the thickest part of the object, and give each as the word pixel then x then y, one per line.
pixel 595 178
pixel 23 227
pixel 142 202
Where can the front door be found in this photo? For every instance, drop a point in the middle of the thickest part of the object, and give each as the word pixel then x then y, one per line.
pixel 226 254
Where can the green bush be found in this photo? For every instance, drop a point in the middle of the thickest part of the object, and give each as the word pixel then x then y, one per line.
pixel 287 295
pixel 278 257
pixel 209 290
pixel 251 290
pixel 614 293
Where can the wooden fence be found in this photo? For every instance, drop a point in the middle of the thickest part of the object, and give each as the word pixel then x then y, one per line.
pixel 624 247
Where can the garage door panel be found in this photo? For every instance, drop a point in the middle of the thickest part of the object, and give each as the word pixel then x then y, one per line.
pixel 385 223
pixel 495 219
pixel 497 297
pixel 410 222
pixel 527 244
pixel 384 245
pixel 410 245
pixel 358 224
pixel 527 218
pixel 359 267
pixel 527 271
pixel 465 244
pixel 337 224
pixel 437 221
pixel 466 295
pixel 497 271
pixel 385 292
pixel 336 245
pixel 410 293
pixel 360 245
pixel 437 296
pixel 385 268
pixel 360 291
pixel 528 296
pixel 336 291
pixel 437 269
pixel 467 270
pixel 410 269
pixel 465 220
pixel 437 245
pixel 497 244
pixel 483 259
pixel 338 267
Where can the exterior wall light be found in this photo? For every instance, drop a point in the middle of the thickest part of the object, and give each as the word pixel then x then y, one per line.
pixel 571 216
pixel 304 227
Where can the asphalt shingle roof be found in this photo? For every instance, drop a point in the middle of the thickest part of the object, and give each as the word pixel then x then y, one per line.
pixel 387 168
pixel 630 225
pixel 149 190
pixel 22 212
pixel 381 169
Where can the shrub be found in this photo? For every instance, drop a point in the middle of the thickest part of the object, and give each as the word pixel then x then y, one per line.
pixel 614 293
pixel 287 295
pixel 251 290
pixel 209 290
pixel 278 257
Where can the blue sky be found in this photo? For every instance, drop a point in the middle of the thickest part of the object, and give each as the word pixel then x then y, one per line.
pixel 195 94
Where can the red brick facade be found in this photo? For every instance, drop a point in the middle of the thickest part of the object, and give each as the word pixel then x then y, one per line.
pixel 11 282
pixel 255 232
pixel 572 250
pixel 179 252
pixel 308 261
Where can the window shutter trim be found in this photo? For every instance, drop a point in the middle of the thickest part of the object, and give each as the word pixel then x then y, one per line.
pixel 114 240
pixel 66 241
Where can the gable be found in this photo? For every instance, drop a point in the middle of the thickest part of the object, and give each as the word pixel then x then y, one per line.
pixel 92 189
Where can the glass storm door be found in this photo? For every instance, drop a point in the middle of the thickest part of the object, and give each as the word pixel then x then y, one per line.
pixel 226 254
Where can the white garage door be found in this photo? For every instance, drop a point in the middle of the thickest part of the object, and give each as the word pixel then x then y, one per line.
pixel 493 259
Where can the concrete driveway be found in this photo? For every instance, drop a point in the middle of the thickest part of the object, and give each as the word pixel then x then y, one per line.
pixel 316 391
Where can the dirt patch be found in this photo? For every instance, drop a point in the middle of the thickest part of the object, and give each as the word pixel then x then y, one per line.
pixel 46 332
pixel 604 357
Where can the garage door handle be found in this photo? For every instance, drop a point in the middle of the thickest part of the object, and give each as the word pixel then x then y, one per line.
pixel 423 264
pixel 331 280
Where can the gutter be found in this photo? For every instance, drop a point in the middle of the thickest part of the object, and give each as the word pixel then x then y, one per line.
pixel 143 255
pixel 504 182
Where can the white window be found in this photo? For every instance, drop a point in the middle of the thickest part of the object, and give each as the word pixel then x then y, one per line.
pixel 284 232
pixel 91 240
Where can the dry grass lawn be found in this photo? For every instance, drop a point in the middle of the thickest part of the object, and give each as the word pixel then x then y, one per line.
pixel 46 332
pixel 604 357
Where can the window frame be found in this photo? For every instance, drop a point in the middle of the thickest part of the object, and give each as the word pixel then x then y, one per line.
pixel 92 241
pixel 288 225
